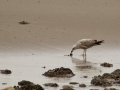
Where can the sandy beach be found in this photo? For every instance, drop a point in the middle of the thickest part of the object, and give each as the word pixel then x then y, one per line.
pixel 54 27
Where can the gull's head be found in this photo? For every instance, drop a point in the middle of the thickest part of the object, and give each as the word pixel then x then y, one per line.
pixel 74 47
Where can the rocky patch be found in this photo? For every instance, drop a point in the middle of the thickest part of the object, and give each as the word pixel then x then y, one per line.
pixel 82 85
pixel 67 87
pixel 51 84
pixel 111 89
pixel 106 64
pixel 24 83
pixel 23 22
pixel 59 72
pixel 85 76
pixel 27 85
pixel 107 79
pixel 73 83
pixel 5 71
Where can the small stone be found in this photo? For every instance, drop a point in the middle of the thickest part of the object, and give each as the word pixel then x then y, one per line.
pixel 4 83
pixel 23 22
pixel 51 84
pixel 82 85
pixel 73 83
pixel 43 67
pixel 67 87
pixel 6 71
pixel 85 76
pixel 106 64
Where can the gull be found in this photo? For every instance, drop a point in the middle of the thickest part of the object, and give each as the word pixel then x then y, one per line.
pixel 85 44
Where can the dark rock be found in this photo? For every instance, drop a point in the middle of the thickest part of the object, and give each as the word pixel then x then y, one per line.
pixel 44 67
pixel 99 81
pixel 23 22
pixel 82 85
pixel 51 84
pixel 27 85
pixel 67 87
pixel 24 82
pixel 85 76
pixel 116 72
pixel 59 72
pixel 94 89
pixel 5 71
pixel 107 79
pixel 73 83
pixel 111 89
pixel 33 87
pixel 106 64
pixel 4 83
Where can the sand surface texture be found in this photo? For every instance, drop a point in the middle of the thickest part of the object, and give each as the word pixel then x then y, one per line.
pixel 54 27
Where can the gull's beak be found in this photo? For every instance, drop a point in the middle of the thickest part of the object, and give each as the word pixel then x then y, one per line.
pixel 71 52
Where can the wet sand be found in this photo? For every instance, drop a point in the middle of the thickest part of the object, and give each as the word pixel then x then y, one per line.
pixel 55 26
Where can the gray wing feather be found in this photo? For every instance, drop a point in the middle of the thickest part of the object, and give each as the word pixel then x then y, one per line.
pixel 86 43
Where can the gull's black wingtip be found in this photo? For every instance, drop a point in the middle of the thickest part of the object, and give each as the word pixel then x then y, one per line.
pixel 99 42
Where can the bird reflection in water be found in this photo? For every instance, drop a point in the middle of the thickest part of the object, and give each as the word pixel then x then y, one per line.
pixel 83 63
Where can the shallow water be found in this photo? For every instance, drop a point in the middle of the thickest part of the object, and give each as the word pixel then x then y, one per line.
pixel 26 66
pixel 55 26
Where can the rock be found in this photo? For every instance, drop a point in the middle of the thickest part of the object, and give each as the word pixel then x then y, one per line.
pixel 67 87
pixel 23 22
pixel 8 88
pixel 59 72
pixel 24 82
pixel 73 83
pixel 107 79
pixel 94 89
pixel 4 83
pixel 111 89
pixel 44 67
pixel 82 85
pixel 106 64
pixel 51 84
pixel 27 85
pixel 99 81
pixel 85 76
pixel 6 71
pixel 116 72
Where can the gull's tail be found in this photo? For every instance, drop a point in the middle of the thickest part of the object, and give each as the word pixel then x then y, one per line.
pixel 99 42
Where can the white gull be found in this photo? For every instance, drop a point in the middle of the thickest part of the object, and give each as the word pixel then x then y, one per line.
pixel 85 44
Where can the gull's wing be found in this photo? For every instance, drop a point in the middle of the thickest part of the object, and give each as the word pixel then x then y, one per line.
pixel 87 42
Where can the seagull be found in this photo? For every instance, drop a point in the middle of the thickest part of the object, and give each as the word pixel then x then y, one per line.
pixel 85 44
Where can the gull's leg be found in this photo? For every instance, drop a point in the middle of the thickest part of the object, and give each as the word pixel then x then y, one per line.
pixel 84 58
pixel 83 52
